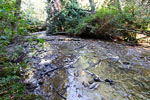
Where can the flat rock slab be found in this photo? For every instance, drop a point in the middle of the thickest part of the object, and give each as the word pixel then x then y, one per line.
pixel 65 68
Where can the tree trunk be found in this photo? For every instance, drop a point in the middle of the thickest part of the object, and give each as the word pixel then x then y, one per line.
pixel 92 5
pixel 54 7
pixel 119 5
pixel 17 15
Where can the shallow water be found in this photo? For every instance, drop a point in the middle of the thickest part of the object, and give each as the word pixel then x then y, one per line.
pixel 66 68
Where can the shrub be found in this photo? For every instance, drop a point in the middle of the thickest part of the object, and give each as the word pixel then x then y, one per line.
pixel 100 25
pixel 109 23
pixel 67 18
pixel 10 78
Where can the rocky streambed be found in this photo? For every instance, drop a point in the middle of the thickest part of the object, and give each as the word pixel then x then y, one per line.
pixel 64 68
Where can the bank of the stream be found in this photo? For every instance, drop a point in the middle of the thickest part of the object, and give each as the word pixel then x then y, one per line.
pixel 65 68
pixel 55 67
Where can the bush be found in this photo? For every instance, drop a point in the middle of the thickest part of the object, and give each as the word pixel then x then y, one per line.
pixel 100 25
pixel 10 78
pixel 109 23
pixel 67 18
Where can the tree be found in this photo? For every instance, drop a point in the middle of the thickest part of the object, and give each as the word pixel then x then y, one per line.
pixel 119 4
pixel 17 15
pixel 92 5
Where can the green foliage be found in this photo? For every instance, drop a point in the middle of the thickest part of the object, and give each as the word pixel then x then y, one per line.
pixel 8 17
pixel 99 25
pixel 8 21
pixel 10 65
pixel 106 13
pixel 11 89
pixel 109 23
pixel 68 17
pixel 32 25
pixel 133 20
pixel 41 40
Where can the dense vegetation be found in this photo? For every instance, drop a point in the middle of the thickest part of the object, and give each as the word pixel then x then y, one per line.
pixel 109 22
pixel 12 26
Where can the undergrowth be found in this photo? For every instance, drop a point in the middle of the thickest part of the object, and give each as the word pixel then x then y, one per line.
pixel 109 23
pixel 70 16
pixel 11 56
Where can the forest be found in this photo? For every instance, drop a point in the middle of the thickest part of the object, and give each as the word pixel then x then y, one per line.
pixel 74 49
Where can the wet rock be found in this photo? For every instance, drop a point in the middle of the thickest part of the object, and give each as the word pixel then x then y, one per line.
pixel 85 84
pixel 91 81
pixel 114 58
pixel 25 44
pixel 30 87
pixel 94 85
pixel 40 82
pixel 126 63
pixel 111 82
pixel 61 53
pixel 97 79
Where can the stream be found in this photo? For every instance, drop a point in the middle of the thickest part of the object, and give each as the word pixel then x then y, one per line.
pixel 66 68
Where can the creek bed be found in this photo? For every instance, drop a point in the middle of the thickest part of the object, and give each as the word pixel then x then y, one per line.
pixel 65 68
